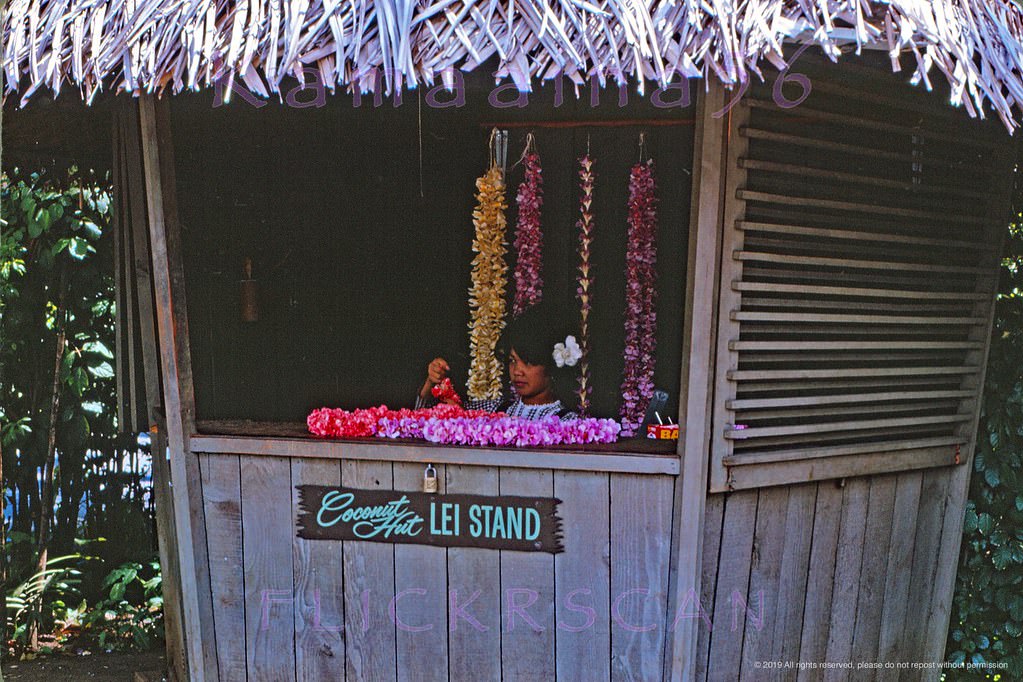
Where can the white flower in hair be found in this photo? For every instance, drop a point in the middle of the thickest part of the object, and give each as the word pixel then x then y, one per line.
pixel 568 353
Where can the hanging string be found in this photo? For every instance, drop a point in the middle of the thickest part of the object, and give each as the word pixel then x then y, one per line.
pixel 642 148
pixel 530 148
pixel 419 92
pixel 493 147
pixel 587 144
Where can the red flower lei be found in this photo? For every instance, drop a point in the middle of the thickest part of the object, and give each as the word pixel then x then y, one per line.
pixel 529 238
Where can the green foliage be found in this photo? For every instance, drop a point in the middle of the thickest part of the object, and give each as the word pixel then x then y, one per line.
pixel 987 616
pixel 126 616
pixel 130 617
pixel 43 597
pixel 56 236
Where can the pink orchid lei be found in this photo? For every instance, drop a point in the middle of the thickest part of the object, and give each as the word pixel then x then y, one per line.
pixel 529 238
pixel 585 280
pixel 452 425
pixel 640 298
pixel 328 422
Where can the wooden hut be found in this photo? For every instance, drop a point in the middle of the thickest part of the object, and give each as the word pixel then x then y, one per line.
pixel 828 254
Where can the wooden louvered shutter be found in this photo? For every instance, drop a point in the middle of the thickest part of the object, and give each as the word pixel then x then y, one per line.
pixel 861 238
pixel 139 385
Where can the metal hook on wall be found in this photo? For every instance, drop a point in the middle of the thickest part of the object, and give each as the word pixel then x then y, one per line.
pixel 502 150
pixel 499 149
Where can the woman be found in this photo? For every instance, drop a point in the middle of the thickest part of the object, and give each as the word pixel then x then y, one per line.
pixel 539 364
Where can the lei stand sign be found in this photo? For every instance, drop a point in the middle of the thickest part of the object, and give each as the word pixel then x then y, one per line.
pixel 526 524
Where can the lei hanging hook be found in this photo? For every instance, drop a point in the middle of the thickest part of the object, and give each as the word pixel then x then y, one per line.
pixel 499 149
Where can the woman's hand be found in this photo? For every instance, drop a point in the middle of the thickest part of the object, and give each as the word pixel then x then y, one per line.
pixel 435 373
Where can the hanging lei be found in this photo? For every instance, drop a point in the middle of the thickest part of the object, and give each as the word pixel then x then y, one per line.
pixel 640 298
pixel 528 236
pixel 489 280
pixel 585 280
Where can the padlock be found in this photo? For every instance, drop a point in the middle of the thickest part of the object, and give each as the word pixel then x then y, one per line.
pixel 430 479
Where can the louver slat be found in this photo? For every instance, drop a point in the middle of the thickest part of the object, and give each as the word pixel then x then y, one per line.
pixel 861 264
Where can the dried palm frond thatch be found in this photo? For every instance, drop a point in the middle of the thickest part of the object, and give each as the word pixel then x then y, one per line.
pixel 152 45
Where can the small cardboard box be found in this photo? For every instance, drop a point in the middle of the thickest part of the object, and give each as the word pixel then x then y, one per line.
pixel 662 431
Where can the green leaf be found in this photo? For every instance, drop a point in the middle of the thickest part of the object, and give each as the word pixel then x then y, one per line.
pixel 978 461
pixel 28 205
pixel 1015 609
pixel 98 347
pixel 42 217
pixel 56 210
pixel 985 523
pixel 102 371
pixel 93 407
pixel 92 230
pixel 66 364
pixel 992 478
pixel 970 521
pixel 60 245
pixel 79 380
pixel 79 248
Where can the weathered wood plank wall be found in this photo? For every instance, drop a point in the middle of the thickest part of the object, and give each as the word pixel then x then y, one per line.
pixel 319 609
pixel 293 609
pixel 826 572
pixel 583 574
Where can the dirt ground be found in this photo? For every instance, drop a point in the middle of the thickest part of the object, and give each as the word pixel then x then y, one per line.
pixel 93 667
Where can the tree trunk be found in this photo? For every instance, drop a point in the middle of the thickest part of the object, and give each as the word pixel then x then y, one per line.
pixel 46 489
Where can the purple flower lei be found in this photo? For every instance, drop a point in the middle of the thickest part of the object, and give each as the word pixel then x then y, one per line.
pixel 640 298
pixel 501 431
pixel 529 238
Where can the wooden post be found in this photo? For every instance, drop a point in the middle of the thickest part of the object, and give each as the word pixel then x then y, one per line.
pixel 137 275
pixel 175 364
pixel 940 611
pixel 697 383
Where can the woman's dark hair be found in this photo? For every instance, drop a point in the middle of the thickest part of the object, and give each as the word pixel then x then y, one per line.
pixel 533 335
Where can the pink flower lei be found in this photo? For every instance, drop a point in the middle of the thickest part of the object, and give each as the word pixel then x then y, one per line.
pixel 452 425
pixel 528 236
pixel 585 280
pixel 640 298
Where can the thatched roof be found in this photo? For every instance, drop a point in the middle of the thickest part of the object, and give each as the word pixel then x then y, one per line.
pixel 153 45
